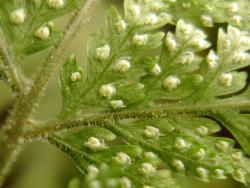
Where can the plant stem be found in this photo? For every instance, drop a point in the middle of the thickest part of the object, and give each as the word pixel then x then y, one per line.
pixel 12 130
pixel 10 69
pixel 10 155
pixel 162 112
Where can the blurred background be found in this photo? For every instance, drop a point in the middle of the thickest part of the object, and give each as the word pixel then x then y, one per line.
pixel 41 165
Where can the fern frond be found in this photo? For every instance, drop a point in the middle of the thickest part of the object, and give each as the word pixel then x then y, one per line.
pixel 27 25
pixel 185 145
pixel 26 28
pixel 107 53
pixel 115 179
pixel 115 60
pixel 201 13
pixel 180 80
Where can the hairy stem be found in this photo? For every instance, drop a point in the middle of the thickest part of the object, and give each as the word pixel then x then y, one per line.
pixel 12 154
pixel 48 129
pixel 12 130
pixel 10 69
